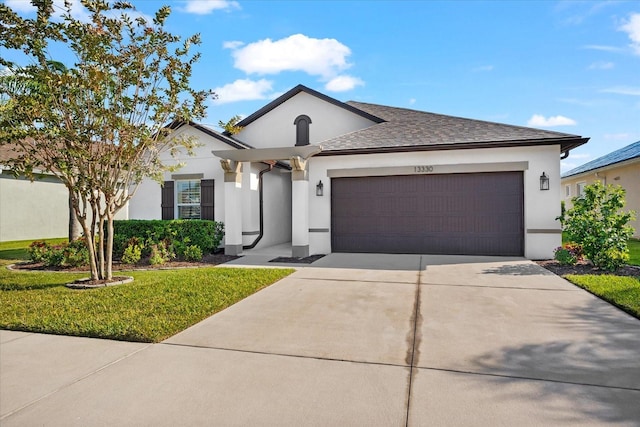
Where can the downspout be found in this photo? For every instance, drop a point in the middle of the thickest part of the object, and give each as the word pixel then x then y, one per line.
pixel 260 192
pixel 565 155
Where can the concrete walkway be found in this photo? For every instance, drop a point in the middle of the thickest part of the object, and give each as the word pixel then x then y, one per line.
pixel 353 340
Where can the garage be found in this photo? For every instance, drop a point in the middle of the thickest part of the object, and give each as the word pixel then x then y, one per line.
pixel 461 214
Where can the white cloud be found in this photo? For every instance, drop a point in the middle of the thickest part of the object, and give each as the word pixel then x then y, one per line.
pixel 205 7
pixel 78 11
pixel 632 28
pixel 343 83
pixel 603 48
pixel 601 66
pixel 484 68
pixel 623 90
pixel 581 156
pixel 20 6
pixel 317 57
pixel 617 136
pixel 243 90
pixel 232 44
pixel 541 121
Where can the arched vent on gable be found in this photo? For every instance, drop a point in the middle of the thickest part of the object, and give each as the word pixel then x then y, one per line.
pixel 302 123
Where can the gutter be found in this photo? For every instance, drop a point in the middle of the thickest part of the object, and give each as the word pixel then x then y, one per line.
pixel 260 192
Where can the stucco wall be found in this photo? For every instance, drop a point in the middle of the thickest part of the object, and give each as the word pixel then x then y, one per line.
pixel 276 129
pixel 541 207
pixel 146 203
pixel 35 210
pixel 276 187
pixel 627 176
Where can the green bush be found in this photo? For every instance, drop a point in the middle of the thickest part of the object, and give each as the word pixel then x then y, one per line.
pixel 597 223
pixel 76 253
pixel 132 254
pixel 192 253
pixel 54 256
pixel 160 253
pixel 207 235
pixel 565 256
pixel 37 250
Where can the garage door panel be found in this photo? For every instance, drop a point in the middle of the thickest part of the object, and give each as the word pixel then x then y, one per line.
pixel 439 214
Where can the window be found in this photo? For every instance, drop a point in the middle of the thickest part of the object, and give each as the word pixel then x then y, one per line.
pixel 567 191
pixel 302 129
pixel 580 188
pixel 180 198
pixel 188 199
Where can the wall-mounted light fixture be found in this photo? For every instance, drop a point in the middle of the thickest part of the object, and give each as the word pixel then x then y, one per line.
pixel 544 181
pixel 319 189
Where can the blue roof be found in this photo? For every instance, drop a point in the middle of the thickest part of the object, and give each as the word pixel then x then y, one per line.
pixel 627 153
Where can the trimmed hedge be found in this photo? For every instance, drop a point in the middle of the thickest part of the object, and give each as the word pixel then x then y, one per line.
pixel 207 235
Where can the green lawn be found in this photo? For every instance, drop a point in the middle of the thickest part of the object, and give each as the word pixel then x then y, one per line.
pixel 634 251
pixel 623 292
pixel 157 305
pixel 18 249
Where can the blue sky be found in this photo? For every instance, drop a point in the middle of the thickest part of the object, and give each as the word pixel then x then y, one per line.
pixel 569 66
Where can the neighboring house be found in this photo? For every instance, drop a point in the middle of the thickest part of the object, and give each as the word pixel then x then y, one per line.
pixel 31 210
pixel 37 209
pixel 620 167
pixel 359 177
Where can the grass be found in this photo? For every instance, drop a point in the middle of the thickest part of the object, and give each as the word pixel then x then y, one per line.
pixel 623 292
pixel 634 251
pixel 155 306
pixel 17 250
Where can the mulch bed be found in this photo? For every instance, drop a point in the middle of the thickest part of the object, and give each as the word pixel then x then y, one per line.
pixel 207 261
pixel 291 260
pixel 584 267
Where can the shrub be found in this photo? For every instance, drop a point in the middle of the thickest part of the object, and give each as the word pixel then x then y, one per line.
pixel 597 224
pixel 564 256
pixel 37 250
pixel 54 256
pixel 76 253
pixel 160 253
pixel 132 254
pixel 207 235
pixel 192 253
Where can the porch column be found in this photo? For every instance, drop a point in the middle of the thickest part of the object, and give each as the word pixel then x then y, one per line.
pixel 232 206
pixel 299 208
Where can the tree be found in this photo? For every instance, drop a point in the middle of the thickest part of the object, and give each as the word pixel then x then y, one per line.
pixel 597 223
pixel 232 125
pixel 11 83
pixel 99 125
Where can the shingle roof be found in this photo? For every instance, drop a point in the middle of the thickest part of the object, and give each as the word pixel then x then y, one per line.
pixel 629 152
pixel 406 129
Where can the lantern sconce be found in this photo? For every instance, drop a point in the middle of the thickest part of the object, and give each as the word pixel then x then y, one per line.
pixel 544 181
pixel 319 189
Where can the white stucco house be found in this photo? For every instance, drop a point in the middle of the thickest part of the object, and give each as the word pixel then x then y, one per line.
pixel 331 176
pixel 33 209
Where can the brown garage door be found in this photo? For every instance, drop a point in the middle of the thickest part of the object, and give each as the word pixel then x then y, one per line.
pixel 472 214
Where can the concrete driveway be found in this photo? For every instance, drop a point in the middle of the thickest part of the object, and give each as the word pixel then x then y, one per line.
pixel 355 339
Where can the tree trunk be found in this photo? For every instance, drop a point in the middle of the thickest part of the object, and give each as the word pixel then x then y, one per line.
pixel 74 224
pixel 109 246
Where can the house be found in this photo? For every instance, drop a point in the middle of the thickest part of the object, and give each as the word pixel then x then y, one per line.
pixel 620 167
pixel 31 210
pixel 331 176
pixel 37 209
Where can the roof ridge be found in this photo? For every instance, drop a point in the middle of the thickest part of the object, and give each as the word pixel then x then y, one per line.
pixel 559 134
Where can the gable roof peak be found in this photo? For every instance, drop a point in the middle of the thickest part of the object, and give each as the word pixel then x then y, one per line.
pixel 302 88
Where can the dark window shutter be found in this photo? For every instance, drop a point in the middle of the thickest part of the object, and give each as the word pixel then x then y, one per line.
pixel 167 200
pixel 206 199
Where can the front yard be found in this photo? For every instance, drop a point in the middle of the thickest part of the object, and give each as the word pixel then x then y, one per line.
pixel 155 306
